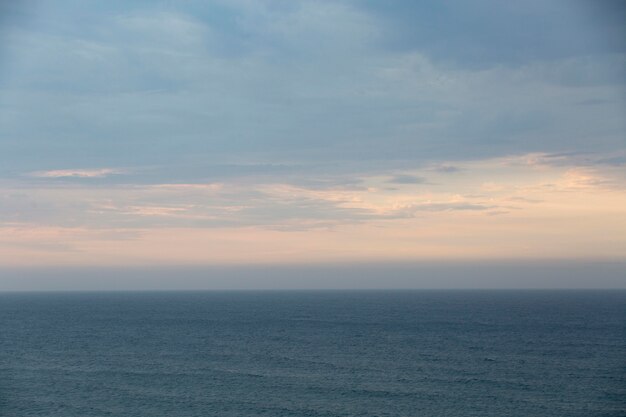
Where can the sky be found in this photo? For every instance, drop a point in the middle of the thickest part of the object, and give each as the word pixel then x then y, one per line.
pixel 336 138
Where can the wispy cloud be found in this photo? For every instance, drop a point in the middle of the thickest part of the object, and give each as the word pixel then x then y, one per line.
pixel 406 179
pixel 445 168
pixel 77 173
pixel 455 217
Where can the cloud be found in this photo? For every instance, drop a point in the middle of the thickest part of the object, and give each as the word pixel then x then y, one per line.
pixel 406 179
pixel 261 87
pixel 617 160
pixel 560 29
pixel 533 210
pixel 298 201
pixel 77 173
pixel 446 168
pixel 289 117
pixel 413 210
pixel 157 211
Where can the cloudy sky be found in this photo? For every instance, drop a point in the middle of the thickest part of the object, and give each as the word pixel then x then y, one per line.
pixel 235 133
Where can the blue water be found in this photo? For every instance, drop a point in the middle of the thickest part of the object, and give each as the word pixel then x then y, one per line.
pixel 411 353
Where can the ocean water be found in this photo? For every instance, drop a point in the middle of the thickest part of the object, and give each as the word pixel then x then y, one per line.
pixel 336 353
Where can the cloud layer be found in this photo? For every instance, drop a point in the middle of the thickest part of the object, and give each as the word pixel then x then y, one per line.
pixel 266 131
pixel 535 206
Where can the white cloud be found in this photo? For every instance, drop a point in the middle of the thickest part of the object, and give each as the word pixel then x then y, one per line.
pixel 77 173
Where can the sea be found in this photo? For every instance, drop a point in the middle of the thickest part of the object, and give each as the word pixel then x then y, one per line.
pixel 313 353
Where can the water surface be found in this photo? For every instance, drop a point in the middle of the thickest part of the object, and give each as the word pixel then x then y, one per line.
pixel 336 353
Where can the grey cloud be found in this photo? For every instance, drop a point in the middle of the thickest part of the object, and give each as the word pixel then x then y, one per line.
pixel 593 102
pixel 525 200
pixel 497 212
pixel 446 169
pixel 406 179
pixel 121 95
pixel 451 206
pixel 488 32
pixel 414 209
pixel 22 207
pixel 617 161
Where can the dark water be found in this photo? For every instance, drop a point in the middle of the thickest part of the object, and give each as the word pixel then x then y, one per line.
pixel 417 353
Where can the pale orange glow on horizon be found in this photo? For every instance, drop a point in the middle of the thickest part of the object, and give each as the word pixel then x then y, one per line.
pixel 513 208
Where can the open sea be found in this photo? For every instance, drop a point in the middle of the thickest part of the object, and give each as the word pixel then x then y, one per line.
pixel 314 353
